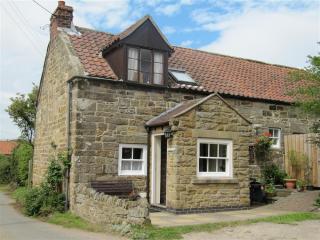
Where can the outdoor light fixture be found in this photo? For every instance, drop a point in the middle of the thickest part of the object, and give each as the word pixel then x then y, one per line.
pixel 167 132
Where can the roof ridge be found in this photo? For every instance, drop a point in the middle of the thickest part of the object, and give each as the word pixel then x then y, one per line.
pixel 241 58
pixel 94 30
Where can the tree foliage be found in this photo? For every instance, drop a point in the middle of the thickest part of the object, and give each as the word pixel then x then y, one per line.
pixel 307 92
pixel 22 111
pixel 20 158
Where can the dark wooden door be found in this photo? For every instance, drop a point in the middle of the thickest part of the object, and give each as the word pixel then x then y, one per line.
pixel 163 176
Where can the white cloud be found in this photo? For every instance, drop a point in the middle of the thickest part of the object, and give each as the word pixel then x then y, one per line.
pixel 281 36
pixel 169 9
pixel 186 43
pixel 168 30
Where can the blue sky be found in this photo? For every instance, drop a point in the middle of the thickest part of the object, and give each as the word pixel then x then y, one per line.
pixel 274 31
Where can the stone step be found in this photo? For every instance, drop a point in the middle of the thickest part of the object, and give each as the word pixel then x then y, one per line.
pixel 283 192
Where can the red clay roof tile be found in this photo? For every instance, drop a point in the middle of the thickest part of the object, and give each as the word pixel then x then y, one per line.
pixel 212 72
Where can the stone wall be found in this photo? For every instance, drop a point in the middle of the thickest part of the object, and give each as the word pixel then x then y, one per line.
pixel 212 119
pixel 51 120
pixel 112 113
pixel 266 115
pixel 109 210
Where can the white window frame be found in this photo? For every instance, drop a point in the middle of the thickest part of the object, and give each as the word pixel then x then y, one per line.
pixel 229 162
pixel 143 171
pixel 278 145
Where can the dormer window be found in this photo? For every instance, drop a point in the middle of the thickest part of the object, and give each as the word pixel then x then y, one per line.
pixel 145 66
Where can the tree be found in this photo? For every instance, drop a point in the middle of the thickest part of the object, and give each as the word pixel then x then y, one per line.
pixel 22 111
pixel 307 92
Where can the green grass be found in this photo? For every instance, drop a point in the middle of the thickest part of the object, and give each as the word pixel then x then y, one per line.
pixel 69 220
pixel 166 233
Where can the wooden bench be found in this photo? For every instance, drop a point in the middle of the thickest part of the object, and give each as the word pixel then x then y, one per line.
pixel 119 188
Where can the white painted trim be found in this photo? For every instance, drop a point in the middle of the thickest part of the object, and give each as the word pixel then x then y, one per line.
pixel 143 172
pixel 153 169
pixel 278 146
pixel 229 163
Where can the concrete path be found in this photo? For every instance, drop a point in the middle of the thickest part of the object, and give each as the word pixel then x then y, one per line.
pixel 294 203
pixel 15 226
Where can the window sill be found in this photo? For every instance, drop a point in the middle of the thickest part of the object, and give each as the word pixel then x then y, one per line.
pixel 208 180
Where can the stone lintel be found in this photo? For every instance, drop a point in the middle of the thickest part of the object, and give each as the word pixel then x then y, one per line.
pixel 197 133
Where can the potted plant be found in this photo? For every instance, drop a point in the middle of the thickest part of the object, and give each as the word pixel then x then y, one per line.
pixel 270 190
pixel 290 183
pixel 300 185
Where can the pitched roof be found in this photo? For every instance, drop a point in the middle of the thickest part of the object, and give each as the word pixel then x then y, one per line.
pixel 212 72
pixel 183 108
pixel 7 146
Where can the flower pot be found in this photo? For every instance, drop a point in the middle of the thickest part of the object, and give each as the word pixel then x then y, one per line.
pixel 290 183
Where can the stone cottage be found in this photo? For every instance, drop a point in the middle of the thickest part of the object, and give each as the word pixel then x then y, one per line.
pixel 176 122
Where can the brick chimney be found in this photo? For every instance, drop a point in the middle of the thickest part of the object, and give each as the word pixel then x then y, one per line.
pixel 62 17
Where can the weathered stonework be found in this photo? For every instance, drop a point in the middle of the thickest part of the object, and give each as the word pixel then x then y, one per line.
pixel 215 120
pixel 266 115
pixel 109 210
pixel 51 121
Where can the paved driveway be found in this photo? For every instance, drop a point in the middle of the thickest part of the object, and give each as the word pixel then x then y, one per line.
pixel 14 226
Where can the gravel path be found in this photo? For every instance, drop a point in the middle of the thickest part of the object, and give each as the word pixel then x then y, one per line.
pixel 263 231
pixel 296 202
pixel 15 226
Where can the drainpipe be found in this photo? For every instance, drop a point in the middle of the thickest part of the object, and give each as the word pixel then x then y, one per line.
pixel 148 163
pixel 67 173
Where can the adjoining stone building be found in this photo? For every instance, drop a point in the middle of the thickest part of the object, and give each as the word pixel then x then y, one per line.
pixel 176 122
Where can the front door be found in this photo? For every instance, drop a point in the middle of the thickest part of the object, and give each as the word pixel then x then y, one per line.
pixel 159 169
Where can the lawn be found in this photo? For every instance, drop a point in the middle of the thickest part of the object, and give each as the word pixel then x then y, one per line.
pixel 167 233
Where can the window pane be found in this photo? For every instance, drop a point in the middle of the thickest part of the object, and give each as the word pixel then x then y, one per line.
pixel 222 150
pixel 126 165
pixel 137 153
pixel 275 141
pixel 132 75
pixel 158 78
pixel 202 165
pixel 271 132
pixel 212 165
pixel 158 57
pixel 213 150
pixel 145 55
pixel 158 68
pixel 221 165
pixel 133 64
pixel 126 153
pixel 203 150
pixel 145 77
pixel 276 132
pixel 136 166
pixel 133 53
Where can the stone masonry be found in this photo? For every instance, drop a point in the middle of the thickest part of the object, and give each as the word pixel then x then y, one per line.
pixel 213 119
pixel 109 210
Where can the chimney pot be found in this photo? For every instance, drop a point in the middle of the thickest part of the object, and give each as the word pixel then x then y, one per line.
pixel 61 3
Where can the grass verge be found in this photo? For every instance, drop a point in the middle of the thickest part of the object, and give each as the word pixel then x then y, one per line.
pixel 156 233
pixel 69 220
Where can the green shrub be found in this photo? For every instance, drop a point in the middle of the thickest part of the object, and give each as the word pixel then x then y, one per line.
pixel 20 163
pixel 272 174
pixel 317 203
pixel 4 169
pixel 47 198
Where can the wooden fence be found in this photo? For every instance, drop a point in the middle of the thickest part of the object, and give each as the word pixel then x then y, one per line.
pixel 302 158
